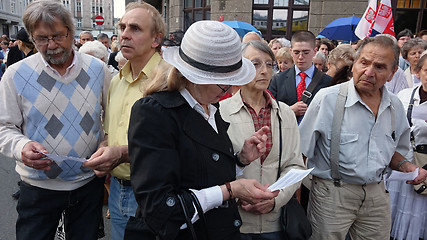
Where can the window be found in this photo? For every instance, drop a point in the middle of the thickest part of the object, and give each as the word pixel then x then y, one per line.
pixel 196 10
pixel 78 6
pixel 12 6
pixel 280 18
pixel 409 14
pixel 66 3
pixel 79 22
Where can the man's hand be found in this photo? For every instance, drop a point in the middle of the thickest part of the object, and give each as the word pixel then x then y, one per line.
pixel 107 158
pixel 422 174
pixel 299 108
pixel 33 159
pixel 262 207
pixel 254 146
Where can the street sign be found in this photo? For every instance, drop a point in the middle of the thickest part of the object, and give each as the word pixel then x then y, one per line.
pixel 99 20
pixel 99 27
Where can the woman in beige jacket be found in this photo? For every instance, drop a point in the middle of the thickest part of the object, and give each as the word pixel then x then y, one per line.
pixel 249 109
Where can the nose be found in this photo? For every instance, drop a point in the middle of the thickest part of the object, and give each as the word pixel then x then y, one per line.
pixel 124 34
pixel 369 71
pixel 51 44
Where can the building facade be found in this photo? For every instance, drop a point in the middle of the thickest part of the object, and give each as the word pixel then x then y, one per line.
pixel 278 18
pixel 83 11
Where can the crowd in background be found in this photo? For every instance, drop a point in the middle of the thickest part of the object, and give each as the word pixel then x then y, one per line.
pixel 157 136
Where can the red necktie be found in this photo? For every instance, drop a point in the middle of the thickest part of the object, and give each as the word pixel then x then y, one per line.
pixel 301 85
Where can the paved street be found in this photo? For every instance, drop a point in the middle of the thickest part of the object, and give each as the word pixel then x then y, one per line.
pixel 8 216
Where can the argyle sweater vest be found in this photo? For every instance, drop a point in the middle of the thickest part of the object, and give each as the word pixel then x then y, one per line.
pixel 61 113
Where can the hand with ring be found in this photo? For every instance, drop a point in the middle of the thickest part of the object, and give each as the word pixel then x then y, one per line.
pixel 31 156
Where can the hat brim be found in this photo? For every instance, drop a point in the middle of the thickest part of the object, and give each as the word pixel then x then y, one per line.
pixel 245 74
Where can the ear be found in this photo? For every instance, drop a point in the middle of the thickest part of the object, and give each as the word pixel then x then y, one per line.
pixel 157 40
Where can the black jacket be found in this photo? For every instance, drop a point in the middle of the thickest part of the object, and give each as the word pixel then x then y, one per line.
pixel 172 148
pixel 283 86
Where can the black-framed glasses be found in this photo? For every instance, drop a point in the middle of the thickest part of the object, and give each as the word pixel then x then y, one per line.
pixel 224 89
pixel 42 41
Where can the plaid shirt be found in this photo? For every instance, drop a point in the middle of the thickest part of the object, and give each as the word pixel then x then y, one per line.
pixel 262 119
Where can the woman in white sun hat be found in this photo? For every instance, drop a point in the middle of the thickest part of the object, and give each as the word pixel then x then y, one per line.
pixel 178 140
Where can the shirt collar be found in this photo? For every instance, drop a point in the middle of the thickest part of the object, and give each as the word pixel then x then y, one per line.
pixel 75 62
pixel 196 105
pixel 146 72
pixel 353 96
pixel 309 71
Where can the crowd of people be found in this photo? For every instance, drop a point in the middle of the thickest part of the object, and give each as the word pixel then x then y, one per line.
pixel 187 133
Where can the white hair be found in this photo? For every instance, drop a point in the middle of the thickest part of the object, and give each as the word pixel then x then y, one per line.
pixel 96 49
pixel 285 42
pixel 119 57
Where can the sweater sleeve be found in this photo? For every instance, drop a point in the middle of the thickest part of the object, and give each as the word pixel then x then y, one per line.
pixel 12 139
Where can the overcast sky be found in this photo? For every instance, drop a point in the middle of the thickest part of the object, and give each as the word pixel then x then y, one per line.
pixel 119 8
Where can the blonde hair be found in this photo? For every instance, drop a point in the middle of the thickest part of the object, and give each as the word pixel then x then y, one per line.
pixel 284 54
pixel 165 78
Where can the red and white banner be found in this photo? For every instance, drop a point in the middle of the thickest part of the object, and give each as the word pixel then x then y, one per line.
pixel 364 27
pixel 384 18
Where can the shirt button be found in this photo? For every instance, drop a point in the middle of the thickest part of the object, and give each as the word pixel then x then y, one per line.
pixel 237 223
pixel 170 201
pixel 215 157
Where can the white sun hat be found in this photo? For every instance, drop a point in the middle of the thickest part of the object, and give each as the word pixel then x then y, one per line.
pixel 211 53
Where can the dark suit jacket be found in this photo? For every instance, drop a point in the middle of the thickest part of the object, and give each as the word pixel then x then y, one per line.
pixel 112 61
pixel 283 86
pixel 171 148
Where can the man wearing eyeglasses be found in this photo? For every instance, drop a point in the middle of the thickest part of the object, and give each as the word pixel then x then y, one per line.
pixel 292 85
pixel 141 30
pixel 51 102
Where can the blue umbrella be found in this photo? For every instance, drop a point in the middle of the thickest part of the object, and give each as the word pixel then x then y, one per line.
pixel 241 27
pixel 341 29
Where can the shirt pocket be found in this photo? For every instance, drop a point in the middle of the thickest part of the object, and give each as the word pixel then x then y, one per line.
pixel 348 148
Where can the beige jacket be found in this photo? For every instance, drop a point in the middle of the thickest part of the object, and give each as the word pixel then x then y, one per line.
pixel 241 127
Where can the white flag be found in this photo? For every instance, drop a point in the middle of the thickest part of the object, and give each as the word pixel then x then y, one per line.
pixel 384 19
pixel 364 28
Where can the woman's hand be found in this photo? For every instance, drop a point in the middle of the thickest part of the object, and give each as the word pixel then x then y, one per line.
pixel 262 207
pixel 254 146
pixel 248 190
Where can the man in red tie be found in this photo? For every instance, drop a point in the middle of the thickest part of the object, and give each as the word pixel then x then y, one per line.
pixel 293 85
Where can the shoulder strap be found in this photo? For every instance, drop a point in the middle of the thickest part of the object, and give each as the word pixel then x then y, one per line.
pixel 336 132
pixel 410 107
pixel 280 139
pixel 307 94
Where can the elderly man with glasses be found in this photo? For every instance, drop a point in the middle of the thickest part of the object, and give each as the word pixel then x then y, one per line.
pixel 52 103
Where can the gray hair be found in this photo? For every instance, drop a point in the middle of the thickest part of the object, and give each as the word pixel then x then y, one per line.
pixel 102 36
pixel 96 49
pixel 343 53
pixel 49 13
pixel 85 32
pixel 421 62
pixel 259 45
pixel 384 42
pixel 320 56
pixel 412 43
pixel 119 57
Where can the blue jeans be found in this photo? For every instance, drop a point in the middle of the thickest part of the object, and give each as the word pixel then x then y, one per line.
pixel 122 205
pixel 39 211
pixel 262 236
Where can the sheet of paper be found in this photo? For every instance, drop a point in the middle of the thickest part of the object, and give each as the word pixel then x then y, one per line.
pixel 401 176
pixel 293 176
pixel 58 158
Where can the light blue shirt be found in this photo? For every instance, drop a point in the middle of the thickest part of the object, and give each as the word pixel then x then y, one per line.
pixel 366 144
pixel 309 72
